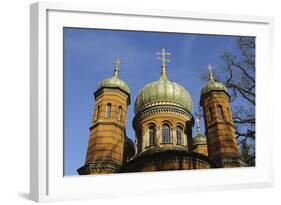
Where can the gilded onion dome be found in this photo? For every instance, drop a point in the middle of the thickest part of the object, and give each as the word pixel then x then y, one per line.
pixel 163 92
pixel 212 85
pixel 199 138
pixel 115 81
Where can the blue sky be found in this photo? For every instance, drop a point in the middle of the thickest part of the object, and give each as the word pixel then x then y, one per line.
pixel 88 57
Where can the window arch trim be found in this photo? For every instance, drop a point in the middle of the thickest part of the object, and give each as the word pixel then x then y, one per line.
pixel 152 134
pixel 120 110
pixel 166 133
pixel 97 113
pixel 108 110
pixel 211 113
pixel 179 134
pixel 220 111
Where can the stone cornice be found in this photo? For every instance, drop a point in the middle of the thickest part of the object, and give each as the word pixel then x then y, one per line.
pixel 203 97
pixel 106 122
pixel 214 123
pixel 150 158
pixel 229 161
pixel 100 166
pixel 103 90
pixel 158 109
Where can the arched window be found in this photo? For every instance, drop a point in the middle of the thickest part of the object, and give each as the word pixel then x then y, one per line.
pixel 179 134
pixel 211 113
pixel 108 110
pixel 119 113
pixel 166 133
pixel 220 112
pixel 152 134
pixel 97 113
pixel 228 112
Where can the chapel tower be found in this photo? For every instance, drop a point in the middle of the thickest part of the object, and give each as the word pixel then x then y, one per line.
pixel 105 153
pixel 221 138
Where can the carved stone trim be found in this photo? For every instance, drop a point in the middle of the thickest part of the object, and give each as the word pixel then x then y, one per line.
pixel 214 123
pixel 107 166
pixel 159 109
pixel 142 161
pixel 106 122
pixel 229 162
pixel 98 92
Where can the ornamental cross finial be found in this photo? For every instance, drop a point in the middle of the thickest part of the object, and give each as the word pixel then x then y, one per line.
pixel 163 57
pixel 198 124
pixel 117 63
pixel 211 76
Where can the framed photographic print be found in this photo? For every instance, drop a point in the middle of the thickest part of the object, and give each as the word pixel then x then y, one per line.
pixel 129 102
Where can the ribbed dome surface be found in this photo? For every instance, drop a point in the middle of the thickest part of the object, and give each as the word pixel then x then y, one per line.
pixel 213 85
pixel 114 82
pixel 163 92
pixel 199 139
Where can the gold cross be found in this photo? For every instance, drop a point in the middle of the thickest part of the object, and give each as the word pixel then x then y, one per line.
pixel 211 76
pixel 116 69
pixel 117 63
pixel 163 57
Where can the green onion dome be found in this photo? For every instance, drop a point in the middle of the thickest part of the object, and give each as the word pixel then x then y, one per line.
pixel 199 139
pixel 163 92
pixel 129 142
pixel 114 82
pixel 212 85
pixel 129 149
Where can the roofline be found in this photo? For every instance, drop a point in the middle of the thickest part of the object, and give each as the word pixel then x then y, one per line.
pixel 98 92
pixel 203 96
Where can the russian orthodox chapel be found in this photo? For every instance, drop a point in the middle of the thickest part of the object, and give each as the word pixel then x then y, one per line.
pixel 163 125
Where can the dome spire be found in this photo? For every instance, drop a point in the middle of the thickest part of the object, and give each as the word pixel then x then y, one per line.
pixel 163 57
pixel 198 124
pixel 211 76
pixel 116 68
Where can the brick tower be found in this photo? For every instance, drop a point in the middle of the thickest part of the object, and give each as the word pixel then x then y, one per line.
pixel 107 131
pixel 221 138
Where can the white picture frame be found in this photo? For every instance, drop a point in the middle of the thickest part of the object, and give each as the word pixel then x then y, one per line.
pixel 47 182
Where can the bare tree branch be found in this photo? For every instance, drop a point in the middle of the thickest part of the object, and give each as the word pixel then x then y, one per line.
pixel 239 77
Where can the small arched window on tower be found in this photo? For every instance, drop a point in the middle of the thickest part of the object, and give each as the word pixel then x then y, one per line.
pixel 228 113
pixel 179 135
pixel 152 134
pixel 211 113
pixel 108 110
pixel 97 113
pixel 220 112
pixel 166 138
pixel 119 113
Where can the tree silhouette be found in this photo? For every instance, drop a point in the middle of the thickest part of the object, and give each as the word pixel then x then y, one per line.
pixel 238 75
pixel 237 72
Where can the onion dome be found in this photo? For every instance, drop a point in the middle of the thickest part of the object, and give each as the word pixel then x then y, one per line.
pixel 199 138
pixel 115 81
pixel 129 143
pixel 212 85
pixel 163 92
pixel 129 149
